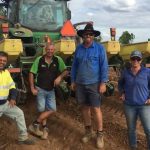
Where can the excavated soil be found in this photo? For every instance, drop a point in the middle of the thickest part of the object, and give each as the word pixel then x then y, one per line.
pixel 66 128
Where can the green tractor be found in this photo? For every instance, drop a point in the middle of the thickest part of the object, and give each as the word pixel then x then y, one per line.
pixel 25 27
pixel 32 20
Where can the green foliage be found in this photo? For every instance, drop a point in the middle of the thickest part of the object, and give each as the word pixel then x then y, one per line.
pixel 3 11
pixel 126 38
pixel 98 39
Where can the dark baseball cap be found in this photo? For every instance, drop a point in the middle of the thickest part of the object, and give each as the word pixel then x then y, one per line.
pixel 136 53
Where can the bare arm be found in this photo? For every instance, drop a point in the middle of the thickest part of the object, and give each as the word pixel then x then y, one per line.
pixel 60 77
pixel 102 88
pixel 32 86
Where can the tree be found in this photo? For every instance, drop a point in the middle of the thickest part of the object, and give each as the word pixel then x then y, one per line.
pixel 98 39
pixel 3 11
pixel 126 38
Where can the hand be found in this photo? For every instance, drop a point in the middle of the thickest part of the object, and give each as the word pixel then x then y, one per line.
pixel 122 97
pixel 34 91
pixel 57 81
pixel 102 88
pixel 147 102
pixel 73 86
pixel 12 103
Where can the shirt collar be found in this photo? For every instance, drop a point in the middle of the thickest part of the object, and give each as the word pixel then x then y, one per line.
pixel 43 59
pixel 141 69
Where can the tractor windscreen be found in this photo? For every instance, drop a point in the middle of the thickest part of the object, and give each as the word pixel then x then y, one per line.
pixel 41 15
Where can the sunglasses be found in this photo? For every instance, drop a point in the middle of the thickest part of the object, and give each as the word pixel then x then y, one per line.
pixel 136 58
pixel 90 34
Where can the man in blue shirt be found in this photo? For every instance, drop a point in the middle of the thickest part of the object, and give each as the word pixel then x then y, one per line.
pixel 134 86
pixel 88 75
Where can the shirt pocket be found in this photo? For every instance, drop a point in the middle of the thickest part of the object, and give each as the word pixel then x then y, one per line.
pixel 93 59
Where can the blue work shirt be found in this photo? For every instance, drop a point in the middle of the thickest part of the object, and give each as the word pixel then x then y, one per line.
pixel 136 87
pixel 89 65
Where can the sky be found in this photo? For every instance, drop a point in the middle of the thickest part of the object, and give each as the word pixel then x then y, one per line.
pixel 124 15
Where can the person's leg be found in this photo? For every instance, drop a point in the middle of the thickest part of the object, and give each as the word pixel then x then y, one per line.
pixel 94 100
pixel 131 115
pixel 85 108
pixel 2 109
pixel 83 101
pixel 144 114
pixel 86 112
pixel 50 108
pixel 46 104
pixel 41 101
pixel 98 118
pixel 45 129
pixel 17 115
pixel 42 119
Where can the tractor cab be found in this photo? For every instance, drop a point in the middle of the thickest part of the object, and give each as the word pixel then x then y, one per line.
pixel 32 20
pixel 37 15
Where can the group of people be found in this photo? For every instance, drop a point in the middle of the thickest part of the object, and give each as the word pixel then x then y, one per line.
pixel 46 72
pixel 89 75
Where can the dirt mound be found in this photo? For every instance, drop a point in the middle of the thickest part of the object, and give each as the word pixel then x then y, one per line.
pixel 66 128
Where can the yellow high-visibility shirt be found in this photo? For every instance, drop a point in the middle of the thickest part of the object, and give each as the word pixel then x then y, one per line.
pixel 6 83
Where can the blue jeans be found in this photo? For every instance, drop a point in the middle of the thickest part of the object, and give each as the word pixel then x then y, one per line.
pixel 132 113
pixel 46 100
